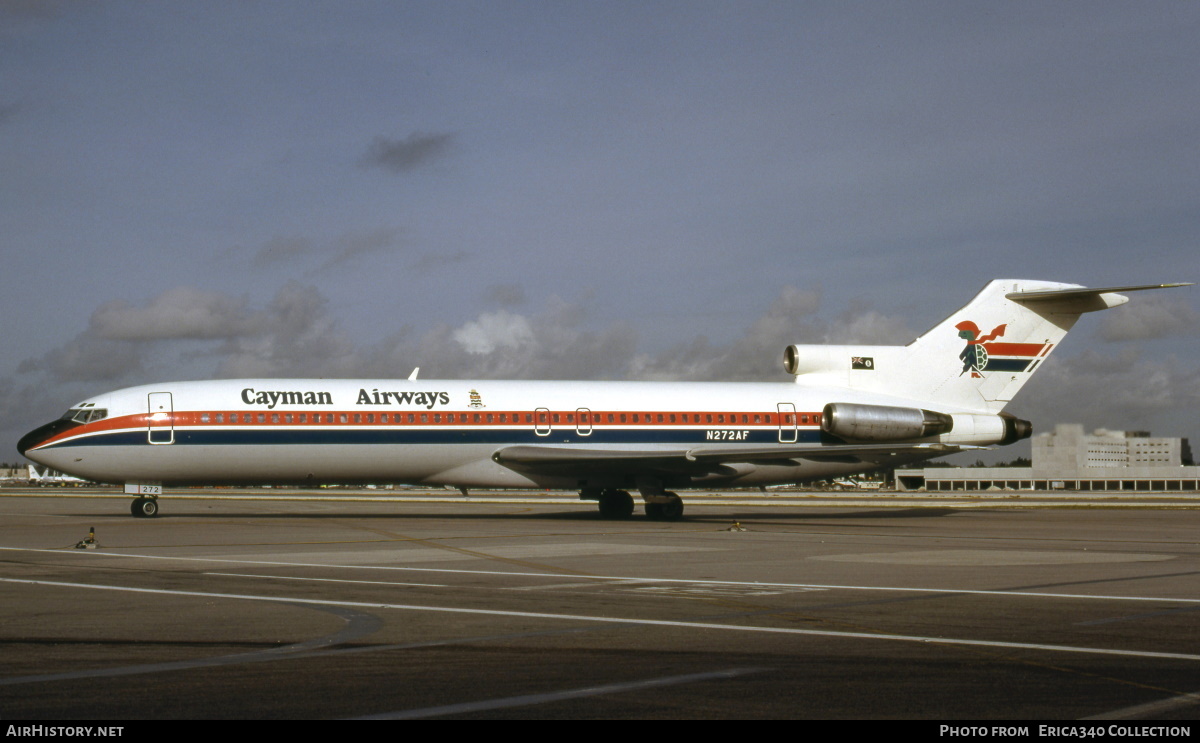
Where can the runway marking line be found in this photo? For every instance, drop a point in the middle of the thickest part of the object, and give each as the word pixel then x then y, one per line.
pixel 629 621
pixel 558 696
pixel 621 578
pixel 1150 710
pixel 330 580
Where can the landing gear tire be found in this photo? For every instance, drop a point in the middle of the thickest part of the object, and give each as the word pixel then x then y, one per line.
pixel 616 504
pixel 671 510
pixel 144 508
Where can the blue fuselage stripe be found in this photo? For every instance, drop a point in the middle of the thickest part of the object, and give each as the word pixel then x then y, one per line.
pixel 250 436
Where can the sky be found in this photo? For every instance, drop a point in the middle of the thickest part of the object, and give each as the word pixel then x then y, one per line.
pixel 588 190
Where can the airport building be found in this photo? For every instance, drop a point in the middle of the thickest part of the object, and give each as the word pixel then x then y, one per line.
pixel 1069 459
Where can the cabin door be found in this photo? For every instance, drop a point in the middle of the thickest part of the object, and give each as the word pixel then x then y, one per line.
pixel 160 423
pixel 787 423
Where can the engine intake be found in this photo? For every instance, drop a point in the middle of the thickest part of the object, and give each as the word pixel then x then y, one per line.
pixel 882 422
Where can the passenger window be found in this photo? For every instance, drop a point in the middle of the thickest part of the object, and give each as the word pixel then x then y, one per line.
pixel 204 417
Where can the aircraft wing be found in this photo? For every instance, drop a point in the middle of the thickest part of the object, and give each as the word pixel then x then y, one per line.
pixel 699 460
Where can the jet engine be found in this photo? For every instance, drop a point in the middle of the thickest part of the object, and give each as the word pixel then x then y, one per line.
pixel 882 422
pixel 855 422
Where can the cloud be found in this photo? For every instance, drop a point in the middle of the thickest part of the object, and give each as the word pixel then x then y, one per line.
pixel 188 332
pixel 404 155
pixel 1111 390
pixel 506 295
pixel 176 314
pixel 494 330
pixel 87 358
pixel 19 9
pixel 1147 317
pixel 433 261
pixel 345 248
pixel 355 245
pixel 293 336
pixel 280 250
pixel 753 356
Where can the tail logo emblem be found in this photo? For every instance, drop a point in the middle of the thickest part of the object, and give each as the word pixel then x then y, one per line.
pixel 975 355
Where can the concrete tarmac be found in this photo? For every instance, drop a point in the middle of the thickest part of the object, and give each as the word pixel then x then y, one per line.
pixel 528 607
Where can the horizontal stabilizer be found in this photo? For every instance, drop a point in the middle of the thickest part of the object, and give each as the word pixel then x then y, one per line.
pixel 1082 292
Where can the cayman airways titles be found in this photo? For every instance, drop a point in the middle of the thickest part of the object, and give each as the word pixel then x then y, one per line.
pixel 271 398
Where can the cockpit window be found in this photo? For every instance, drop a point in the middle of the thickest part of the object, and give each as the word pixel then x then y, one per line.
pixel 85 415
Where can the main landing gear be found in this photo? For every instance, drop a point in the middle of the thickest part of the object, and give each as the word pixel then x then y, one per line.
pixel 614 504
pixel 661 505
pixel 144 507
pixel 666 506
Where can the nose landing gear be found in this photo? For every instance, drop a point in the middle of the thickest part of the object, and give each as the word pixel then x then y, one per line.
pixel 144 508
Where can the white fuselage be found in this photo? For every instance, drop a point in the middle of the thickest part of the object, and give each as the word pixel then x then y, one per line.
pixel 435 432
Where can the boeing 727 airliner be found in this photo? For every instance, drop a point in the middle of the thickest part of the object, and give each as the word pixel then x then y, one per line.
pixel 849 409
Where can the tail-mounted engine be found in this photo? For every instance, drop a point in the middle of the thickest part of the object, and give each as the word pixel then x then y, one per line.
pixel 856 422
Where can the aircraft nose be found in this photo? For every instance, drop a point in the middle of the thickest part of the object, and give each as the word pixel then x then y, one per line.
pixel 42 433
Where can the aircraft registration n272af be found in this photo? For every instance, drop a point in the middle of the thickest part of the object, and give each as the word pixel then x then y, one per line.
pixel 849 409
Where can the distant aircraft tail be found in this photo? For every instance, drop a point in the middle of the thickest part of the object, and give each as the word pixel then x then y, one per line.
pixel 975 360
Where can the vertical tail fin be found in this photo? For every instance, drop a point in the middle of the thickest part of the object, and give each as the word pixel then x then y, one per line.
pixel 977 359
